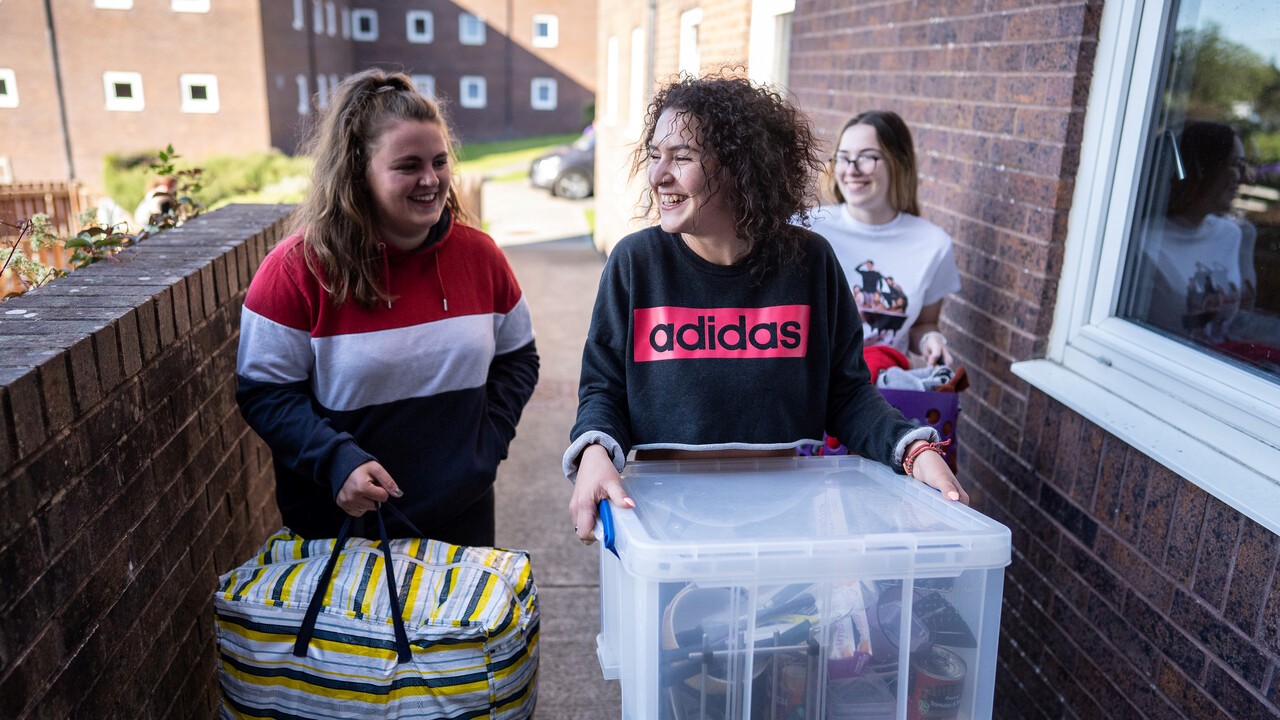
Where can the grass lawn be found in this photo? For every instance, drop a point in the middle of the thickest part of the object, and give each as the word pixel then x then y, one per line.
pixel 510 157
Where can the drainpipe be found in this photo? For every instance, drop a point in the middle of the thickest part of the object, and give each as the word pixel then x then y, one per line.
pixel 651 64
pixel 57 84
pixel 509 112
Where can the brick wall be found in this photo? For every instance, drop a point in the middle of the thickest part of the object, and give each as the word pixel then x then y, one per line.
pixel 1132 593
pixel 128 481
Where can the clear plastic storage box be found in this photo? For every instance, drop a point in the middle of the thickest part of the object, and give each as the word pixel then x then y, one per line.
pixel 777 590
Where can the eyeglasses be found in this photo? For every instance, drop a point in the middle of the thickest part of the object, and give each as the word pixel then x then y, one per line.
pixel 866 163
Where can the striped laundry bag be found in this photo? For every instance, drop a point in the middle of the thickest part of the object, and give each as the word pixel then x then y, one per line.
pixel 311 629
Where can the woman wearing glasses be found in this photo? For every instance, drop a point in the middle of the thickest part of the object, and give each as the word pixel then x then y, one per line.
pixel 881 240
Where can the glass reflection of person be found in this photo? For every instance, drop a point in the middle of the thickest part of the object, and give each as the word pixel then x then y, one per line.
pixel 1197 264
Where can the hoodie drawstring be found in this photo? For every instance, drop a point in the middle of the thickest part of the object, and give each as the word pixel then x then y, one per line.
pixel 440 278
pixel 386 272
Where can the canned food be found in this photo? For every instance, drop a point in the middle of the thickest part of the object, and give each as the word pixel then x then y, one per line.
pixel 936 686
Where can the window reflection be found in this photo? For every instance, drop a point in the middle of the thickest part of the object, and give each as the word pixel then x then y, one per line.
pixel 1204 258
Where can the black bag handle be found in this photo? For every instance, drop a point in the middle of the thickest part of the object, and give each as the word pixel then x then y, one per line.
pixel 403 651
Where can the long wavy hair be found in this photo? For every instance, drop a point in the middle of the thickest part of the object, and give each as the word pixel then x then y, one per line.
pixel 338 218
pixel 757 146
pixel 899 153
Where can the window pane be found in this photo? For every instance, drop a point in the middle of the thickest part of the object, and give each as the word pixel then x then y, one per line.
pixel 123 90
pixel 1203 264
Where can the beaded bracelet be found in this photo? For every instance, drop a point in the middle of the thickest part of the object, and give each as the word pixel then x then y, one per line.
pixel 909 462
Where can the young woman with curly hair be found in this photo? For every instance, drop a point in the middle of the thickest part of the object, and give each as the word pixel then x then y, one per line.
pixel 724 330
pixel 386 349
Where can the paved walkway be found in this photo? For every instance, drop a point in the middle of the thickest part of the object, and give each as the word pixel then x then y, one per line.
pixel 546 240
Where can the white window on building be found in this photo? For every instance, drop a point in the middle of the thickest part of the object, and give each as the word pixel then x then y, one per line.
pixel 123 91
pixel 299 22
pixel 199 93
pixel 542 94
pixel 690 56
pixel 364 25
pixel 346 23
pixel 191 6
pixel 472 93
pixel 769 44
pixel 8 88
pixel 304 95
pixel 426 85
pixel 333 83
pixel 317 17
pixel 611 86
pixel 635 101
pixel 546 31
pixel 113 4
pixel 1167 326
pixel 6 170
pixel 470 29
pixel 330 19
pixel 420 26
pixel 322 91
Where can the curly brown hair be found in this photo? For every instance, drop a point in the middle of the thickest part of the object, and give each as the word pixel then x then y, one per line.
pixel 337 216
pixel 760 145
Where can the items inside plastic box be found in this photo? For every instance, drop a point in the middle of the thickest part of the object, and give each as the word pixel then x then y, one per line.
pixel 829 650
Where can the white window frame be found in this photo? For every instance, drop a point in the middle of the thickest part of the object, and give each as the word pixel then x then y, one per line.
pixel 304 94
pixel 473 34
pixel 636 94
pixel 113 4
pixel 356 33
pixel 1208 421
pixel 317 17
pixel 189 6
pixel 298 22
pixel 611 86
pixel 210 104
pixel 542 82
pixel 690 56
pixel 552 38
pixel 476 81
pixel 410 18
pixel 766 57
pixel 330 18
pixel 425 84
pixel 322 90
pixel 10 97
pixel 134 104
pixel 6 170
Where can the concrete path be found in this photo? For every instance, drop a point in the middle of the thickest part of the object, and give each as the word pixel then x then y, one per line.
pixel 546 241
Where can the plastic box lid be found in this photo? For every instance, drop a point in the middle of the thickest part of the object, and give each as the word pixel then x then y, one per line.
pixel 795 518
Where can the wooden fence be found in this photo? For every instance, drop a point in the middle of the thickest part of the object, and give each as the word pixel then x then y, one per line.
pixel 62 201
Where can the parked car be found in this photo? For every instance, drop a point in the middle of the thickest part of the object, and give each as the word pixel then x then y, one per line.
pixel 569 170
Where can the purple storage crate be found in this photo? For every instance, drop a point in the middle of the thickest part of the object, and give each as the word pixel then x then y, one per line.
pixel 939 410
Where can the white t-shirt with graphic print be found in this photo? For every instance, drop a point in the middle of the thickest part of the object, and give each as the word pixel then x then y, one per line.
pixel 896 269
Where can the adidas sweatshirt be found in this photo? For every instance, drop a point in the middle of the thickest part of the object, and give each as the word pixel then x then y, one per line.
pixel 686 354
pixel 431 387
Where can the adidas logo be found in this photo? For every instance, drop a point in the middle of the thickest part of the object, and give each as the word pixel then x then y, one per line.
pixel 675 333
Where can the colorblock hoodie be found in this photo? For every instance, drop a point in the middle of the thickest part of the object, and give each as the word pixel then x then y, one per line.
pixel 430 385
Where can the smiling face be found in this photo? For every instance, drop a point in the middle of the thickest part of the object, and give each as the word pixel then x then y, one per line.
pixel 865 188
pixel 683 178
pixel 408 178
pixel 1225 183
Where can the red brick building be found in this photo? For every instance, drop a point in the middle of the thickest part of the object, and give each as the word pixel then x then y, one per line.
pixel 79 80
pixel 1135 462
